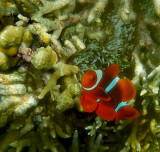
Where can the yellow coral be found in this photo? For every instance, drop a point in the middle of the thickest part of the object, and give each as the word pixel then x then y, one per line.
pixel 44 58
pixel 61 70
pixel 27 36
pixel 45 38
pixel 10 40
pixel 11 36
pixel 66 99
pixel 4 64
pixel 10 52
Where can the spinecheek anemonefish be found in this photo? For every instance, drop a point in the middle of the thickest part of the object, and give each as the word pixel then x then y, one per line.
pixel 106 94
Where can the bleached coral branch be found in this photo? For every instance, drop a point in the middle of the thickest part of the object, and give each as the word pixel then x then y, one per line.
pixel 96 125
pixel 132 140
pixel 157 6
pixel 126 11
pixel 61 70
pixel 139 71
pixel 97 10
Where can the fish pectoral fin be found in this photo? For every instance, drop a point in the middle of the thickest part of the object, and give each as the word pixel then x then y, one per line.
pixel 89 104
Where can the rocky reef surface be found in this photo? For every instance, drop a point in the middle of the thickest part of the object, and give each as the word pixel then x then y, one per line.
pixel 45 48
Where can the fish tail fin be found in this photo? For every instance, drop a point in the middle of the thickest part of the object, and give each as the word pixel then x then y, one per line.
pixel 126 89
pixel 126 112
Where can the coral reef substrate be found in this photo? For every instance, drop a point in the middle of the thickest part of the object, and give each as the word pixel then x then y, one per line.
pixel 45 48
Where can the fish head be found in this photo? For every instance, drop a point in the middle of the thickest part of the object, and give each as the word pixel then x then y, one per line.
pixel 89 79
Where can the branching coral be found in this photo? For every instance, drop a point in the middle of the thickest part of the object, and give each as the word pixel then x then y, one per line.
pixel 126 10
pixel 96 125
pixel 11 85
pixel 16 110
pixel 61 70
pixel 156 6
pixel 94 143
pixel 97 10
pixel 146 79
pixel 69 96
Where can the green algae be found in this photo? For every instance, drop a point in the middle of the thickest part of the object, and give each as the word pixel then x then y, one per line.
pixel 116 49
pixel 68 33
pixel 144 7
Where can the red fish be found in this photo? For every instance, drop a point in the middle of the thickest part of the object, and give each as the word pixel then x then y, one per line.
pixel 107 95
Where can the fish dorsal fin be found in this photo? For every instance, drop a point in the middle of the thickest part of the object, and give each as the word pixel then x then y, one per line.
pixel 109 74
pixel 112 71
